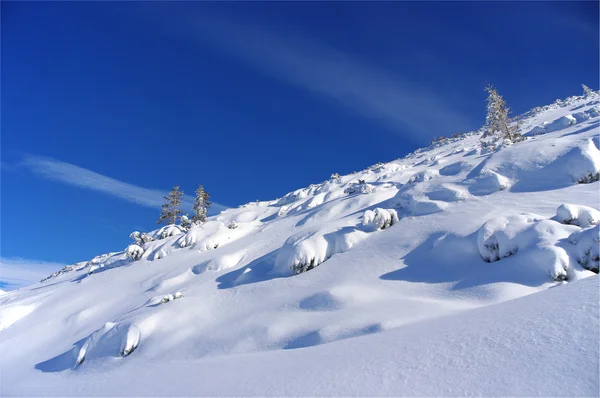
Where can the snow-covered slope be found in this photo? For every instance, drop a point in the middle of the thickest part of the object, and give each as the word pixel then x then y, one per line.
pixel 390 281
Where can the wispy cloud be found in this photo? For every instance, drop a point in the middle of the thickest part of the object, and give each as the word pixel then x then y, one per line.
pixel 71 174
pixel 16 273
pixel 401 105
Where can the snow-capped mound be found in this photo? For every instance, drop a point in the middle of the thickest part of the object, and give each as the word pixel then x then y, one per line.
pixel 391 254
pixel 537 240
pixel 582 216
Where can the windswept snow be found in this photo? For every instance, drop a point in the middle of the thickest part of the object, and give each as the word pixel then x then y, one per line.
pixel 395 280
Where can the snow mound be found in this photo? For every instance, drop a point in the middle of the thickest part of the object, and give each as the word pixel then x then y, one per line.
pixel 488 182
pixel 170 230
pixel 539 241
pixel 415 205
pixel 379 219
pixel 134 252
pixel 582 216
pixel 455 168
pixel 422 176
pixel 587 243
pixel 307 250
pixel 13 313
pixel 112 340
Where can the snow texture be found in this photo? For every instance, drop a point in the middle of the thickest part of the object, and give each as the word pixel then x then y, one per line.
pixel 456 270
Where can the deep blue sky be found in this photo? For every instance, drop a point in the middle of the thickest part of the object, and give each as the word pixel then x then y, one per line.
pixel 251 99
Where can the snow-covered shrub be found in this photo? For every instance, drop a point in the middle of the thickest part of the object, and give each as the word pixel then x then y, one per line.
pixel 582 163
pixel 582 216
pixel 136 236
pixel 170 230
pixel 588 178
pixel 361 187
pixel 167 298
pixel 539 244
pixel 145 238
pixel 334 176
pixel 232 225
pixel 424 175
pixel 379 219
pixel 306 250
pixel 185 222
pixel 587 242
pixel 177 295
pixel 134 252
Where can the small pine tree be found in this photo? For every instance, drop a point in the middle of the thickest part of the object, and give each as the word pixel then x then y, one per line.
pixel 201 205
pixel 587 92
pixel 497 122
pixel 170 210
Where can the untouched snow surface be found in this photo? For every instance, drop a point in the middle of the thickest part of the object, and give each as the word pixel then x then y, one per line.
pixel 396 280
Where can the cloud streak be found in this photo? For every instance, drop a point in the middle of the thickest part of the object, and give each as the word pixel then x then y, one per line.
pixel 16 273
pixel 71 174
pixel 404 107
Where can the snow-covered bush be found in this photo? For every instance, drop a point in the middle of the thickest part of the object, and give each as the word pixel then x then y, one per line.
pixel 334 176
pixel 361 187
pixel 582 216
pixel 134 252
pixel 170 230
pixel 379 219
pixel 136 236
pixel 232 225
pixel 306 250
pixel 145 238
pixel 185 222
pixel 539 244
pixel 171 297
pixel 587 242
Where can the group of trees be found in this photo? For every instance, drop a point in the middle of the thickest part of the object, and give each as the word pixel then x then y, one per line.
pixel 498 124
pixel 171 211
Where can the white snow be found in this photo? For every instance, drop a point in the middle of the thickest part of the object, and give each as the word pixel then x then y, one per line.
pixel 406 278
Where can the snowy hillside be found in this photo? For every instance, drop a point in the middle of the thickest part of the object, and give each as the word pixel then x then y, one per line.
pixel 390 281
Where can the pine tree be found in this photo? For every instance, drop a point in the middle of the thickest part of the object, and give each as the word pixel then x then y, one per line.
pixel 170 210
pixel 497 120
pixel 201 205
pixel 587 92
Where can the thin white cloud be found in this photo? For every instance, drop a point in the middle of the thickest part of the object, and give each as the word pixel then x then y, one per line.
pixel 405 107
pixel 68 173
pixel 16 273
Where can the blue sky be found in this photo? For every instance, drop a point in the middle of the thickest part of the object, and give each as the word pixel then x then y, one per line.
pixel 107 105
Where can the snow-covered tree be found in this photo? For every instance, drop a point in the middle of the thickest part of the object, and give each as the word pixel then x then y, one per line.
pixel 170 210
pixel 201 205
pixel 497 122
pixel 137 237
pixel 185 222
pixel 587 92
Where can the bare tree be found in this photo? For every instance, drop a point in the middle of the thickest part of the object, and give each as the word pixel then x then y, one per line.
pixel 497 122
pixel 170 211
